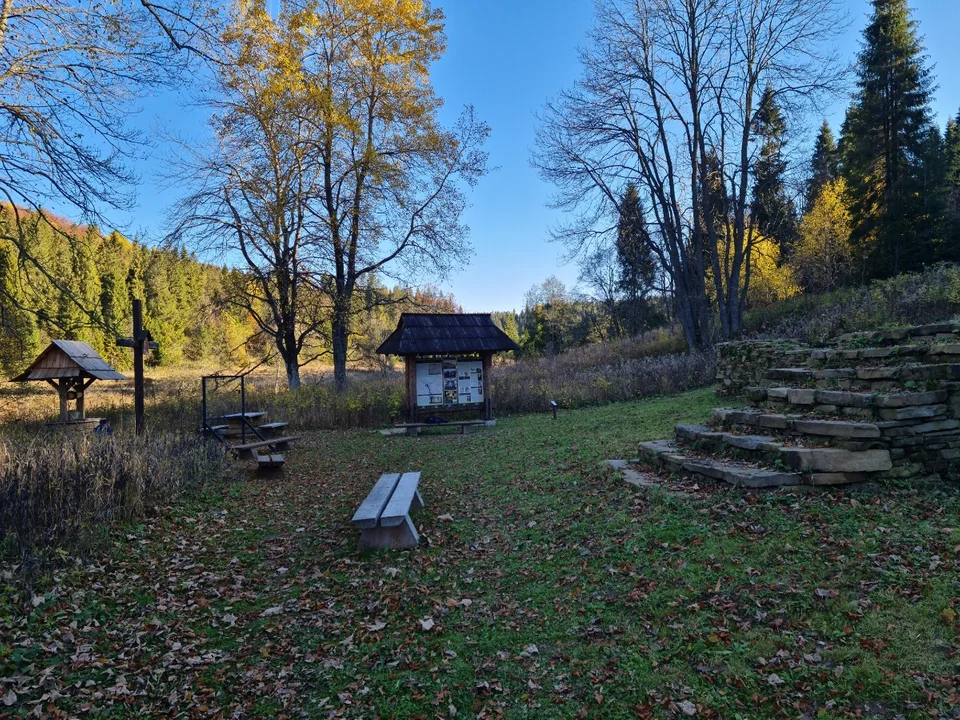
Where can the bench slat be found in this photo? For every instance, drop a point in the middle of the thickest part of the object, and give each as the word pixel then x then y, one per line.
pixel 449 423
pixel 262 443
pixel 400 502
pixel 371 508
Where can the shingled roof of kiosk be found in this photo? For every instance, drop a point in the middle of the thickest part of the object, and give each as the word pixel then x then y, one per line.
pixel 442 333
pixel 68 359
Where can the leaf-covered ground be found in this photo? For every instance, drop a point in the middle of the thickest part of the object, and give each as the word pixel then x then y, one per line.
pixel 544 587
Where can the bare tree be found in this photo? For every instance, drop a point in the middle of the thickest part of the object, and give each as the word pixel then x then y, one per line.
pixel 376 184
pixel 667 98
pixel 71 74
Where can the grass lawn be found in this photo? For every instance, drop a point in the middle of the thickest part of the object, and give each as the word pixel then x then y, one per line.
pixel 544 587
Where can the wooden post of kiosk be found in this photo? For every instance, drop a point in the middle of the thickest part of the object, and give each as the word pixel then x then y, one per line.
pixel 487 359
pixel 410 366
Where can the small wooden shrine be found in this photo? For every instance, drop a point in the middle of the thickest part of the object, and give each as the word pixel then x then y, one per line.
pixel 71 367
pixel 447 359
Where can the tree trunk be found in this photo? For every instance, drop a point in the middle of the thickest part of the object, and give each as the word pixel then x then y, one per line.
pixel 341 333
pixel 293 373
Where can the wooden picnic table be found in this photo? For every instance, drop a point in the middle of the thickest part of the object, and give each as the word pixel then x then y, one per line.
pixel 240 416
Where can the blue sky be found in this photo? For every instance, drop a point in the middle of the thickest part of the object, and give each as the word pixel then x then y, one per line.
pixel 506 58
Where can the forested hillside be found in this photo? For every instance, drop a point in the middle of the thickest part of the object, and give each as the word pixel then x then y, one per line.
pixel 76 282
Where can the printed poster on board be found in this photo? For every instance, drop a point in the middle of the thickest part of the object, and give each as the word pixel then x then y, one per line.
pixel 449 382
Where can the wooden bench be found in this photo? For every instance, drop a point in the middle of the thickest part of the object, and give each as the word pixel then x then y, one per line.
pixel 270 462
pixel 384 516
pixel 249 449
pixel 272 427
pixel 413 429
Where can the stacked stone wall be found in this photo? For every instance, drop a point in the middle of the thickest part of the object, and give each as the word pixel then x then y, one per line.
pixel 742 364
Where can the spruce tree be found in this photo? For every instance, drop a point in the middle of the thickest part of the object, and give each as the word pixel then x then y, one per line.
pixel 885 137
pixel 824 165
pixel 772 210
pixel 951 153
pixel 637 265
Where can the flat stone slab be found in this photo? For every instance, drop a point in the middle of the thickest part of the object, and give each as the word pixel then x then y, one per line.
pixel 820 479
pixel 801 396
pixel 899 400
pixel 835 460
pixel 703 433
pixel 729 471
pixel 842 398
pixel 837 428
pixel 742 475
pixel 632 475
pixel 794 374
pixel 913 412
pixel 834 373
pixel 878 373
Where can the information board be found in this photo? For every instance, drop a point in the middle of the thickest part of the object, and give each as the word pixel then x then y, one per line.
pixel 449 382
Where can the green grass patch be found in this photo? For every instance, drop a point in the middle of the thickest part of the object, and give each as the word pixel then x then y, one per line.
pixel 556 590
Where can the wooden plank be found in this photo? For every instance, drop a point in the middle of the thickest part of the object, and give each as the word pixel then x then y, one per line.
pixel 370 509
pixel 451 423
pixel 399 537
pixel 487 366
pixel 264 443
pixel 403 497
pixel 240 416
pixel 272 426
pixel 410 375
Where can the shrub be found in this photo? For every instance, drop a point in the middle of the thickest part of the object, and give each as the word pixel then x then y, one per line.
pixel 55 492
pixel 909 299
pixel 577 379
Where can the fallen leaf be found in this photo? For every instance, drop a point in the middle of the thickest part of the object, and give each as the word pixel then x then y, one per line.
pixel 270 612
pixel 426 624
pixel 948 615
pixel 376 627
pixel 10 698
pixel 446 517
pixel 774 679
pixel 687 708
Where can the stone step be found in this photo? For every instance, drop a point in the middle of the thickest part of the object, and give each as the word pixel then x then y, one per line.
pixel 668 456
pixel 934 332
pixel 799 424
pixel 893 355
pixel 768 450
pixel 873 378
pixel 866 405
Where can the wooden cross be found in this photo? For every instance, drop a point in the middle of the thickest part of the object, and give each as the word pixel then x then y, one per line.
pixel 141 344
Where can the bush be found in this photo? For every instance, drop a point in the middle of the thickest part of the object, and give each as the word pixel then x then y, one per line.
pixel 55 492
pixel 597 375
pixel 909 299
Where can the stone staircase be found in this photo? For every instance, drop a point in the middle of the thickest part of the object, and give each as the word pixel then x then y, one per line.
pixel 877 405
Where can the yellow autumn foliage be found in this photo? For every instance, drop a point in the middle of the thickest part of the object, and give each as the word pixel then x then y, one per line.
pixel 770 280
pixel 825 256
